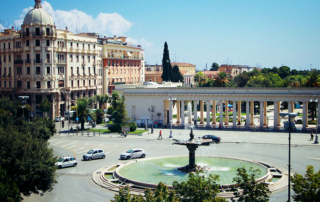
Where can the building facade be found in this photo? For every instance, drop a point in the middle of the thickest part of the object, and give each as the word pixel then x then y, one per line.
pixel 234 70
pixel 42 62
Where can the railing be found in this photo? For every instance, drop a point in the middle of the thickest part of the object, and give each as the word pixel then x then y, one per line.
pixel 62 62
pixel 18 62
pixel 48 61
pixel 38 34
pixel 38 72
pixel 26 33
pixel 27 61
pixel 37 61
pixel 84 62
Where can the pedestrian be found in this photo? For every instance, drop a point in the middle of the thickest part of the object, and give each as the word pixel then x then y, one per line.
pixel 156 124
pixel 219 126
pixel 160 135
pixel 311 134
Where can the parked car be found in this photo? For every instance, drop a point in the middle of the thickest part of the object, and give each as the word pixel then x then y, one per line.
pixel 214 138
pixel 66 162
pixel 133 153
pixel 94 154
pixel 59 118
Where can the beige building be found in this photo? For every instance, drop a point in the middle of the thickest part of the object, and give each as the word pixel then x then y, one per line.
pixel 41 62
pixel 234 70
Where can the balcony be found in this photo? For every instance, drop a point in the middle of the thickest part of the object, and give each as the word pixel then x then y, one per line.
pixel 62 62
pixel 37 48
pixel 49 48
pixel 39 61
pixel 38 33
pixel 84 62
pixel 18 62
pixel 26 34
pixel 48 61
pixel 27 61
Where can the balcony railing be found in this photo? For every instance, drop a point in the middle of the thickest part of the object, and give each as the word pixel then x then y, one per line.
pixel 38 34
pixel 84 62
pixel 48 61
pixel 27 61
pixel 62 62
pixel 18 62
pixel 26 33
pixel 37 61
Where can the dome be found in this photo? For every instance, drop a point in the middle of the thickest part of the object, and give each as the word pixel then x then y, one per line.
pixel 37 15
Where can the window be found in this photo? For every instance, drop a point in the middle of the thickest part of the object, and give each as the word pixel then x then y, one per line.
pixel 38 70
pixel 9 84
pixel 37 42
pixel 89 70
pixel 88 58
pixel 84 82
pixel 4 45
pixel 71 44
pixel 27 43
pixel 89 82
pixel 38 58
pixel 9 45
pixel 19 70
pixel 28 70
pixel 48 58
pixel 82 46
pixel 38 83
pixel 28 84
pixel 48 84
pixel 60 70
pixel 27 32
pixel 48 70
pixel 9 73
pixel 37 31
pixel 83 71
pixel 78 85
pixel 10 58
pixel 71 58
pixel 48 42
pixel 78 70
pixel 71 83
pixel 0 83
pixel 77 45
pixel 95 82
pixel 89 46
pixel 4 84
pixel 0 71
pixel 71 70
pixel 61 83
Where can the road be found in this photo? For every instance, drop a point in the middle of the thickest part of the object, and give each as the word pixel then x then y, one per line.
pixel 75 184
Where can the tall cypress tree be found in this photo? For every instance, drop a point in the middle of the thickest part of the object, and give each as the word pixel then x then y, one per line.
pixel 177 76
pixel 166 64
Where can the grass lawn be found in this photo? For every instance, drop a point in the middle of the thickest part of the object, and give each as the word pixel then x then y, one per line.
pixel 105 131
pixel 137 132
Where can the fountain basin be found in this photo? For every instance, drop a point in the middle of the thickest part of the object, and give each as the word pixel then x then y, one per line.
pixel 149 172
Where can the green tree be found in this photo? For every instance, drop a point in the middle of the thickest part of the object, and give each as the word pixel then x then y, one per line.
pixel 313 79
pixel 284 71
pixel 274 70
pixel 248 189
pixel 200 78
pixel 120 116
pixel 114 100
pixel 45 106
pixel 26 158
pixel 84 112
pixel 177 76
pixel 221 80
pixel 99 115
pixel 166 64
pixel 214 67
pixel 102 99
pixel 306 188
pixel 9 191
pixel 8 105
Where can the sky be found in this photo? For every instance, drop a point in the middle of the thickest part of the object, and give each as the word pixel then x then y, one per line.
pixel 268 33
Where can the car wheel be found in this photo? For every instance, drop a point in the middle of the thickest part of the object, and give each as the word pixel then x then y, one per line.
pixel 59 167
pixel 74 165
pixel 89 159
pixel 143 156
pixel 128 157
pixel 103 156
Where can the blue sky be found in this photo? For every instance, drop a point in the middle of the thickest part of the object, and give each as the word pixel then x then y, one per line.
pixel 248 32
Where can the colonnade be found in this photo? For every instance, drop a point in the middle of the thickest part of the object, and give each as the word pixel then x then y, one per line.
pixel 236 114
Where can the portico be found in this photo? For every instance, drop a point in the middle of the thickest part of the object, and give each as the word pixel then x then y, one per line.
pixel 208 98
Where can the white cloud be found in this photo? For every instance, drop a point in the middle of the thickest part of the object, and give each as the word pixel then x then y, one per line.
pixel 1 28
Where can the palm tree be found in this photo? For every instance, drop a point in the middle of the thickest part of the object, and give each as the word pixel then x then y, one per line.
pixel 221 80
pixel 313 79
pixel 200 78
pixel 84 112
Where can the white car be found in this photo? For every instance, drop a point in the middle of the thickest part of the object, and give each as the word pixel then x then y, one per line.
pixel 133 154
pixel 58 118
pixel 66 162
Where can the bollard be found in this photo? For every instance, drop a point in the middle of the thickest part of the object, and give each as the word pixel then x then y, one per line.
pixel 88 133
pixel 94 133
pixel 99 133
pixel 82 132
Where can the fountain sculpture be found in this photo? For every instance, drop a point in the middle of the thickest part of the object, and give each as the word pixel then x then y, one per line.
pixel 192 145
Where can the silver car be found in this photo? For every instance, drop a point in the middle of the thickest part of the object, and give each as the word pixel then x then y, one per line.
pixel 94 154
pixel 133 154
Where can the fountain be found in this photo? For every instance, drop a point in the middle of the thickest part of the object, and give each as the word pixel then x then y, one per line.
pixel 192 146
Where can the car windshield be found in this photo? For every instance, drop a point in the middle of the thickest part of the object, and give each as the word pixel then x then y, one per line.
pixel 60 159
pixel 129 151
pixel 90 152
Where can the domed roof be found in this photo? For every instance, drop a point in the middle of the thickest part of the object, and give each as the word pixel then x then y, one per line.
pixel 37 15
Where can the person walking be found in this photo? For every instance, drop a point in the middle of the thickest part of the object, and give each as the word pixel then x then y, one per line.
pixel 220 126
pixel 160 135
pixel 311 135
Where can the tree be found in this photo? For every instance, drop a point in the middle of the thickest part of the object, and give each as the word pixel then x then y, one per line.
pixel 221 80
pixel 177 76
pixel 274 70
pixel 26 158
pixel 214 67
pixel 114 100
pixel 84 112
pixel 9 191
pixel 45 106
pixel 284 71
pixel 200 78
pixel 120 116
pixel 248 189
pixel 314 79
pixel 99 115
pixel 306 188
pixel 166 64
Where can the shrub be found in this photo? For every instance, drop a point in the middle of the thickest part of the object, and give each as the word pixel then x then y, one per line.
pixel 115 128
pixel 133 126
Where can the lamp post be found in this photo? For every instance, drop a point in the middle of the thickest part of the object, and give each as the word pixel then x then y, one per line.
pixel 316 101
pixel 23 100
pixel 290 116
pixel 168 69
pixel 171 99
pixel 151 110
pixel 35 103
pixel 68 94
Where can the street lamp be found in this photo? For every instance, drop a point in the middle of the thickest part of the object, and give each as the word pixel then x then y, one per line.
pixel 316 100
pixel 35 103
pixel 24 100
pixel 68 94
pixel 171 99
pixel 151 110
pixel 290 116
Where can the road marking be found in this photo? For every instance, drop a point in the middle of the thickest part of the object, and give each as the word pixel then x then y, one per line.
pixel 73 146
pixel 79 149
pixel 57 143
pixel 65 145
pixel 101 144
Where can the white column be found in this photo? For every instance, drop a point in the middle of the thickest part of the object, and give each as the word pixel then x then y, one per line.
pixel 208 113
pixel 247 114
pixel 234 107
pixel 221 113
pixel 305 115
pixel 195 102
pixel 275 116
pixel 290 107
pixel 261 114
pixel 182 111
pixel 318 120
pixel 170 111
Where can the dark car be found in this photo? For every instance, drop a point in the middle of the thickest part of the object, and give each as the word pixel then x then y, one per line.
pixel 214 138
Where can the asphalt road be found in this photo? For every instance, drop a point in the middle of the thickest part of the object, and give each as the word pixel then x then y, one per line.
pixel 75 183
